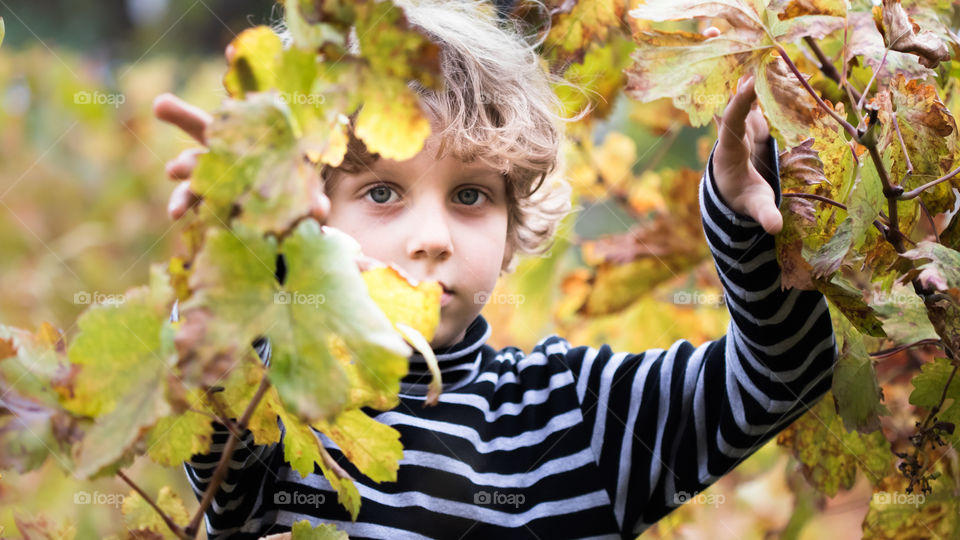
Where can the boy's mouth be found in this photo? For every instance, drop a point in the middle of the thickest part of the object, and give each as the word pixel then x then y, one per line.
pixel 447 295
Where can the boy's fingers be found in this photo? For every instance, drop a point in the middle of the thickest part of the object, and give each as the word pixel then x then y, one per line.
pixel 761 206
pixel 181 200
pixel 320 207
pixel 734 123
pixel 182 166
pixel 174 110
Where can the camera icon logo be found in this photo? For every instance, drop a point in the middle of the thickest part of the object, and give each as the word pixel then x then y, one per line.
pixel 81 497
pixel 281 497
pixel 481 497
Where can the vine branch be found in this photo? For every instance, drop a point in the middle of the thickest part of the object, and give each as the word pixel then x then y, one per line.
pixel 220 473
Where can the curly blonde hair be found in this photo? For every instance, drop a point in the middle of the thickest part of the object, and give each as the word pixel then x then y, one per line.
pixel 496 105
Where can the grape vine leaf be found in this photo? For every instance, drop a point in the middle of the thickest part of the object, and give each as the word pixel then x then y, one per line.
pixel 701 73
pixel 856 390
pixel 140 517
pixel 930 384
pixel 374 448
pixel 303 530
pixel 894 514
pixel 118 356
pixel 829 455
pixel 323 296
pixel 32 425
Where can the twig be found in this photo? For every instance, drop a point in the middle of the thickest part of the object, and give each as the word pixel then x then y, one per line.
pixel 220 473
pixel 917 191
pixel 828 69
pixel 892 351
pixel 163 515
pixel 846 125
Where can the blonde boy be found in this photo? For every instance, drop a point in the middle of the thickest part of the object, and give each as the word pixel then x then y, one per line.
pixel 564 441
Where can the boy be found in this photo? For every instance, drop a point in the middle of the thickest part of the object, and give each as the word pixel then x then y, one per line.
pixel 563 442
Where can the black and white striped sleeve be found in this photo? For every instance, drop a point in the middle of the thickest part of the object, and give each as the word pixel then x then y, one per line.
pixel 240 493
pixel 665 424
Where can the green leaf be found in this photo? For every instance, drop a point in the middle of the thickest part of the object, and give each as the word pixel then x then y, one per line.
pixel 119 347
pixel 319 319
pixel 374 448
pixel 829 455
pixel 930 384
pixel 849 301
pixel 176 438
pixel 303 530
pixel 855 387
pixel 139 516
pixel 109 445
pixel 903 314
pixel 301 449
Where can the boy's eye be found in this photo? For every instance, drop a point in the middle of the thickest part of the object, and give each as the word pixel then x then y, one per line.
pixel 469 196
pixel 380 194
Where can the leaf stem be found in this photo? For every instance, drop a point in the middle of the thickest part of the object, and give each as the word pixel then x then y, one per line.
pixel 816 197
pixel 163 515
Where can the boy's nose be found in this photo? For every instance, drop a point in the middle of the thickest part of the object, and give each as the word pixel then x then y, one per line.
pixel 430 235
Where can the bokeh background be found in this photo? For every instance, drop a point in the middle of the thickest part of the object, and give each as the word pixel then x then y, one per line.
pixel 83 195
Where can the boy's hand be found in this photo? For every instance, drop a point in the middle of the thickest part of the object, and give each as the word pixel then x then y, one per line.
pixel 742 148
pixel 194 122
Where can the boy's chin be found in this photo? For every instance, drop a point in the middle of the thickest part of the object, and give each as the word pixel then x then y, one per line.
pixel 445 335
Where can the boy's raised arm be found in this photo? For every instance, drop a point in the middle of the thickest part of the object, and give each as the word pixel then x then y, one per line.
pixel 665 424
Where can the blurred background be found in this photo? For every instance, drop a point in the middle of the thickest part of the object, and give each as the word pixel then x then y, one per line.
pixel 83 197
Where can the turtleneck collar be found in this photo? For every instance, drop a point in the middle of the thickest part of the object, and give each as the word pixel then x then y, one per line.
pixel 458 362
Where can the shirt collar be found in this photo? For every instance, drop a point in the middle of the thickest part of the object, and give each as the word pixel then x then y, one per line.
pixel 458 362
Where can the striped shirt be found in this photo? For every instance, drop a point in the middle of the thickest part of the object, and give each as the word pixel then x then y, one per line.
pixel 564 441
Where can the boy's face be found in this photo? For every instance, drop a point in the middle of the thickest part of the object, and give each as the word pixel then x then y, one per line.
pixel 440 220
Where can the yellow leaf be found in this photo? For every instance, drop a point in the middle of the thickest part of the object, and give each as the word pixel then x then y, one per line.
pixel 417 306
